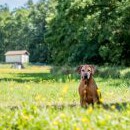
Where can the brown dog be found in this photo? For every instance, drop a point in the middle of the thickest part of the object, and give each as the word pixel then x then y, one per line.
pixel 88 89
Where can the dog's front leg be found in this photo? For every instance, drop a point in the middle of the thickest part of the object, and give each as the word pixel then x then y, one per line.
pixel 81 101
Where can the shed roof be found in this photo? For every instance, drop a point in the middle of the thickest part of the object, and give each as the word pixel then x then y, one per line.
pixel 18 52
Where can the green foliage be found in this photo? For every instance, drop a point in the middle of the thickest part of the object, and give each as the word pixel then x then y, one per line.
pixel 68 31
pixel 24 28
pixel 90 31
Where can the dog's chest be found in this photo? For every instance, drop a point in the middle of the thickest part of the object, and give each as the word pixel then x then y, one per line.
pixel 85 90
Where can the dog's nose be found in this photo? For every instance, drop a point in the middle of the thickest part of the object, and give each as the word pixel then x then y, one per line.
pixel 86 76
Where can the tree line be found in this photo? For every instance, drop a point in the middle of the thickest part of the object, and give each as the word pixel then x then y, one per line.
pixel 68 31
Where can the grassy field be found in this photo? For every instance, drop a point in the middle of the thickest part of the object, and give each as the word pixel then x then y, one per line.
pixel 46 98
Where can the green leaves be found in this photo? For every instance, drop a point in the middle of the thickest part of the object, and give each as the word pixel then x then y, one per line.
pixel 69 31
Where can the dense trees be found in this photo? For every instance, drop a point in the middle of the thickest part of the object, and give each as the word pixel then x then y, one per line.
pixel 24 28
pixel 69 31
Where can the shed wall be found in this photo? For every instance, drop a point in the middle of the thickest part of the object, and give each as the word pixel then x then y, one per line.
pixel 13 58
pixel 25 58
pixel 17 58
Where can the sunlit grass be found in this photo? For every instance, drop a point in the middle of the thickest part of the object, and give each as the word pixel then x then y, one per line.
pixel 34 98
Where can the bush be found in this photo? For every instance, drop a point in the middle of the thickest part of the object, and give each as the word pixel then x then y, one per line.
pixel 108 72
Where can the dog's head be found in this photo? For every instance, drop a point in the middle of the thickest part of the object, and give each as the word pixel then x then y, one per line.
pixel 86 71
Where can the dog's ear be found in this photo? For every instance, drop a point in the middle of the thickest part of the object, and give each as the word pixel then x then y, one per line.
pixel 79 69
pixel 93 69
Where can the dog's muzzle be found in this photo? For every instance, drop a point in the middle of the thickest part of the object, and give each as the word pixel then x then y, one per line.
pixel 86 76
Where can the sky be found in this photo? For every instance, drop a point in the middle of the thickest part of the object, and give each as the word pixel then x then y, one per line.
pixel 15 3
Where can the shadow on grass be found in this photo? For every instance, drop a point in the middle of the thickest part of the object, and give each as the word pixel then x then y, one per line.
pixel 14 79
pixel 116 106
pixel 127 75
pixel 35 77
pixel 105 73
pixel 111 106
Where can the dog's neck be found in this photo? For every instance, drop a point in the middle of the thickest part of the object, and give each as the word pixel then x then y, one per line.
pixel 87 82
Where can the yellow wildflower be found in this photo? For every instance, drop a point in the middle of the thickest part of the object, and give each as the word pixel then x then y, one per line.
pixel 89 110
pixel 26 117
pixel 62 115
pixel 38 97
pixel 55 123
pixel 77 128
pixel 113 107
pixel 101 100
pixel 84 120
pixel 65 89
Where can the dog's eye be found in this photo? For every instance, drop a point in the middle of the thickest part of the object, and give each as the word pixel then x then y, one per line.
pixel 89 70
pixel 82 70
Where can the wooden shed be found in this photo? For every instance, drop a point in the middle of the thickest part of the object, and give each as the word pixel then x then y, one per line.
pixel 20 56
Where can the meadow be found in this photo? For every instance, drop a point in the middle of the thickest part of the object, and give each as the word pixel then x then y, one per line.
pixel 46 98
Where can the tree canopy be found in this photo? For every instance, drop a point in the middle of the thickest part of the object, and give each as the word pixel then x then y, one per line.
pixel 68 31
